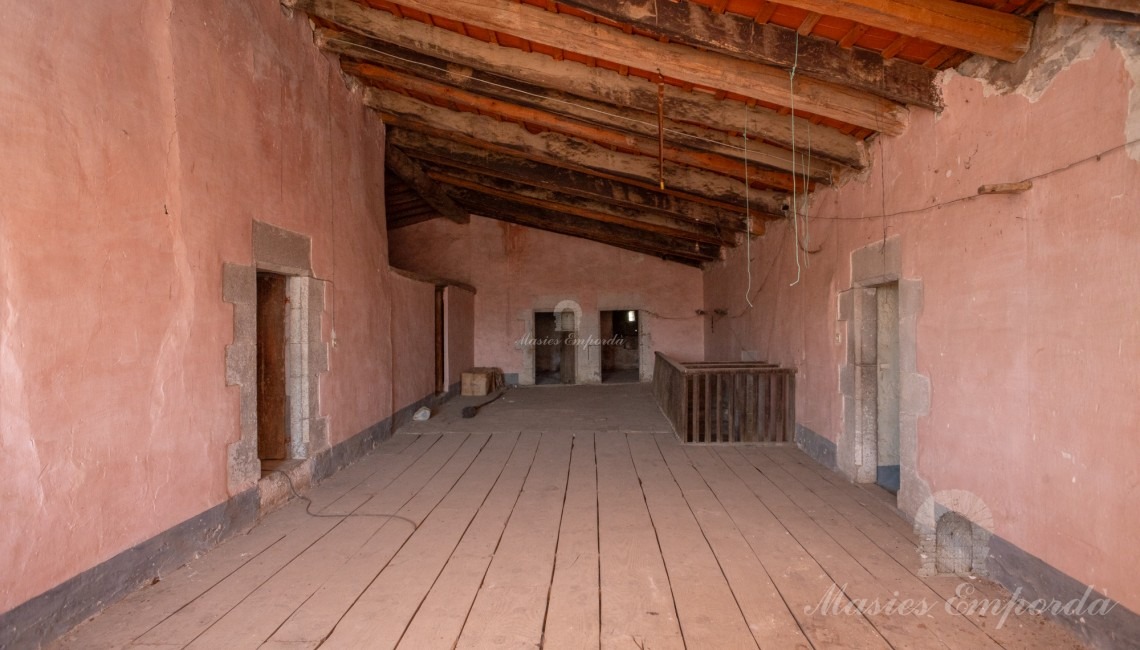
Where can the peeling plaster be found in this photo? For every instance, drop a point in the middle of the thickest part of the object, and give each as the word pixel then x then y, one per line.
pixel 1058 43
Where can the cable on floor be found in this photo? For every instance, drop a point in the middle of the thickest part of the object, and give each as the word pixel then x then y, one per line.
pixel 309 505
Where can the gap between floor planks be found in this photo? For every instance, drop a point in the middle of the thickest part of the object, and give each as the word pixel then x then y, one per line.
pixel 558 540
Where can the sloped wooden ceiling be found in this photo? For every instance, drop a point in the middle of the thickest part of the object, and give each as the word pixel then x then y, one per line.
pixel 641 123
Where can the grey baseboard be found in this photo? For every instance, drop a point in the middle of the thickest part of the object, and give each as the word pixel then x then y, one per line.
pixel 48 616
pixel 819 448
pixel 51 614
pixel 1032 579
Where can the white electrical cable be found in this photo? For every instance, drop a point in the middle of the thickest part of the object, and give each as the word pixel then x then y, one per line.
pixel 748 214
pixel 795 212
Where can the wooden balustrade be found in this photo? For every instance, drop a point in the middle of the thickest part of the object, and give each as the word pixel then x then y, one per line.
pixel 722 402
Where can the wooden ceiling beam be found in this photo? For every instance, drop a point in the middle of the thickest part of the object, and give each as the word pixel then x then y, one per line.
pixel 405 205
pixel 600 135
pixel 557 222
pixel 1115 12
pixel 1123 6
pixel 739 36
pixel 398 215
pixel 597 84
pixel 398 110
pixel 408 171
pixel 404 221
pixel 570 33
pixel 584 207
pixel 401 71
pixel 762 201
pixel 946 22
pixel 436 152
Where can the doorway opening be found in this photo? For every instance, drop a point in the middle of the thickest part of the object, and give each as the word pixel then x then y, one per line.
pixel 440 338
pixel 621 349
pixel 887 380
pixel 884 395
pixel 554 348
pixel 273 435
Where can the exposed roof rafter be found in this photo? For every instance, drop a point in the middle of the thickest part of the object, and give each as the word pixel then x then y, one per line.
pixel 946 22
pixel 740 36
pixel 671 128
pixel 409 76
pixel 436 152
pixel 412 114
pixel 596 84
pixel 410 173
pixel 748 79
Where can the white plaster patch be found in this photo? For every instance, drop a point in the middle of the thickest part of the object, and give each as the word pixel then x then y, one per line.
pixel 1057 44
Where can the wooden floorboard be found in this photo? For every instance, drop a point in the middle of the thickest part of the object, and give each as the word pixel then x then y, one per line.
pixel 769 618
pixel 509 609
pixel 893 536
pixel 890 574
pixel 856 573
pixel 636 600
pixel 572 537
pixel 380 615
pixel 440 617
pixel 263 611
pixel 145 609
pixel 797 575
pixel 573 612
pixel 197 616
pixel 709 614
pixel 411 500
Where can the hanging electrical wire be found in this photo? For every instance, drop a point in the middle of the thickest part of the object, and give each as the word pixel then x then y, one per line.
pixel 748 216
pixel 795 212
pixel 804 245
pixel 661 130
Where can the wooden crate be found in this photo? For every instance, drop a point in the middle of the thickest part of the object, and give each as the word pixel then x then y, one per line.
pixel 482 381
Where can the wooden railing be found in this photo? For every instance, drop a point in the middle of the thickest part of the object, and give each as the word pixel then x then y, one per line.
pixel 727 401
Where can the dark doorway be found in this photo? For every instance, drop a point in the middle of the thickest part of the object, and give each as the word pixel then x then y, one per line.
pixel 621 350
pixel 272 400
pixel 887 386
pixel 440 333
pixel 554 348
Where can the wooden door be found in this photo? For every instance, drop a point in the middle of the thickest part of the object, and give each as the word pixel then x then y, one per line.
pixel 440 348
pixel 567 365
pixel 272 427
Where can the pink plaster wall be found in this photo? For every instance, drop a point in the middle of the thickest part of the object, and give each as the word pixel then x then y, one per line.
pixel 1030 330
pixel 460 332
pixel 413 325
pixel 438 247
pixel 141 140
pixel 517 270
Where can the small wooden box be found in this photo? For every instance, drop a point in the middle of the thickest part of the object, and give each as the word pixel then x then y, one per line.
pixel 482 381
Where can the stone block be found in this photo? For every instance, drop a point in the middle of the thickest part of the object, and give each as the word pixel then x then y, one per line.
pixel 281 250
pixel 239 284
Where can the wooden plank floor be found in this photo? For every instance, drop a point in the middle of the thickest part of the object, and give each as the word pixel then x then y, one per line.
pixel 544 537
